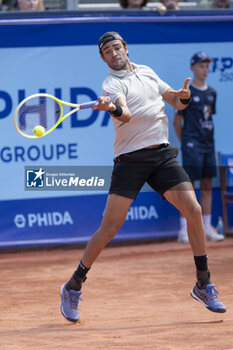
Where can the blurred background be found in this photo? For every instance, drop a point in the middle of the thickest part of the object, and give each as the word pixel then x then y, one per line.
pixel 51 46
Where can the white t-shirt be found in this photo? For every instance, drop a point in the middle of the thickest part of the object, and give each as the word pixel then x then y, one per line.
pixel 142 89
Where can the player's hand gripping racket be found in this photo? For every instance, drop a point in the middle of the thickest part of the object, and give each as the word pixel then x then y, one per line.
pixel 39 114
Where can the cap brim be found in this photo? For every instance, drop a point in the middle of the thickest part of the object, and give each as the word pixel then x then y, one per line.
pixel 205 60
pixel 208 60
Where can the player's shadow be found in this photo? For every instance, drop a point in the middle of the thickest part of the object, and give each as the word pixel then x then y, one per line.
pixel 69 326
pixel 164 325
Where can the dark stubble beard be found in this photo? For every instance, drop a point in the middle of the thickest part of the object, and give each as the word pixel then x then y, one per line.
pixel 124 66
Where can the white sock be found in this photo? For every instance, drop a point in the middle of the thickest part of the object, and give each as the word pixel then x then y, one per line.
pixel 183 223
pixel 207 220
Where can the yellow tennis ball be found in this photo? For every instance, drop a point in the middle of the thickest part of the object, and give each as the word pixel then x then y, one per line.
pixel 39 131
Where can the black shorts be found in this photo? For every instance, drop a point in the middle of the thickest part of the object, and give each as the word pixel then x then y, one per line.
pixel 198 163
pixel 156 166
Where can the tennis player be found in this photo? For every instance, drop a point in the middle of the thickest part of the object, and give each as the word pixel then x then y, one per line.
pixel 142 154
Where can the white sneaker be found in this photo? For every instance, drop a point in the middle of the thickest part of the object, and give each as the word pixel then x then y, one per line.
pixel 183 236
pixel 212 235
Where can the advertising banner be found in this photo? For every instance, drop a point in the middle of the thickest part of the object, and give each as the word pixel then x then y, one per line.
pixel 63 60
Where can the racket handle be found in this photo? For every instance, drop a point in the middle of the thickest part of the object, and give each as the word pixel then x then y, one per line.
pixel 89 104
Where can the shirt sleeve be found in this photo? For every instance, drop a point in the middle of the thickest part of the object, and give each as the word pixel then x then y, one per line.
pixel 163 87
pixel 113 88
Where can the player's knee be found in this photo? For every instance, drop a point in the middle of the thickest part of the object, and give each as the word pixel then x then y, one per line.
pixel 193 211
pixel 110 229
pixel 197 211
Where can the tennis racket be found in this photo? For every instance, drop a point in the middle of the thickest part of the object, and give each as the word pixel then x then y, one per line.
pixel 39 114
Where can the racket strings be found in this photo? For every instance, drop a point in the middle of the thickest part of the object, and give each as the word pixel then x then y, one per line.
pixel 38 111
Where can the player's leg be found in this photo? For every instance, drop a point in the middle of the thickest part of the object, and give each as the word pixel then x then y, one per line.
pixel 127 180
pixel 173 183
pixel 114 216
pixel 183 231
pixel 183 197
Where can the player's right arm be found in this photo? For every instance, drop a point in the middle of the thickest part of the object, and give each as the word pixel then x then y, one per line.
pixel 105 104
pixel 178 125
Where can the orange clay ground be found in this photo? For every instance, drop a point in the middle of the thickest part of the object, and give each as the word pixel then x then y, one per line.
pixel 136 297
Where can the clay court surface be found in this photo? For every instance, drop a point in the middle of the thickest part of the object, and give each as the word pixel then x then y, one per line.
pixel 135 297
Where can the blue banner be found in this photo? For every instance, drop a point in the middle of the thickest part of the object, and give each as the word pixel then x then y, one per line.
pixel 61 57
pixel 62 220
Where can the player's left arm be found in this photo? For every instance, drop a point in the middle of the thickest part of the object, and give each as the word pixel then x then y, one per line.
pixel 173 97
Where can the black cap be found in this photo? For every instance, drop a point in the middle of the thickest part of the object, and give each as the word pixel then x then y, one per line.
pixel 200 57
pixel 109 36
